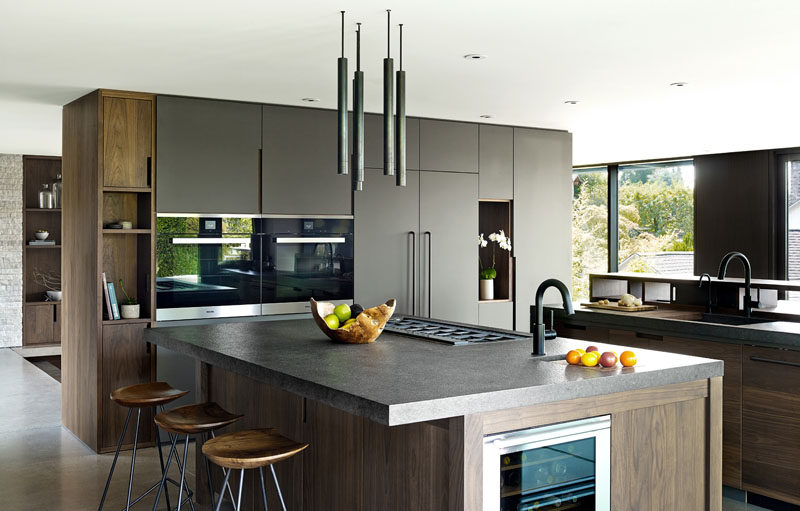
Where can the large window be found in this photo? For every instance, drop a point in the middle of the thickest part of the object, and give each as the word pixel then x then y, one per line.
pixel 656 217
pixel 653 216
pixel 589 227
pixel 791 164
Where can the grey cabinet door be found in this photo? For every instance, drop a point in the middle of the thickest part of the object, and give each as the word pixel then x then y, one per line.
pixel 496 314
pixel 449 256
pixel 207 156
pixel 299 163
pixel 496 162
pixel 373 142
pixel 542 215
pixel 386 262
pixel 448 146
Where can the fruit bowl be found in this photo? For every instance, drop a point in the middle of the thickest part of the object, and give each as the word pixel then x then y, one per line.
pixel 368 325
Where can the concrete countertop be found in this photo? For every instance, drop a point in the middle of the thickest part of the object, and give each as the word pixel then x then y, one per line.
pixel 402 380
pixel 775 334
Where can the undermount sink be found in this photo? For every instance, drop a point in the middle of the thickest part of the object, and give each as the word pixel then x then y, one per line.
pixel 725 319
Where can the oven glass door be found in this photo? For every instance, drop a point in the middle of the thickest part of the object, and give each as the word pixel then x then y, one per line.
pixel 207 274
pixel 307 259
pixel 547 469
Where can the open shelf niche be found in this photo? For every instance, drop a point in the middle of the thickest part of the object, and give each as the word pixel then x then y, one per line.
pixel 494 216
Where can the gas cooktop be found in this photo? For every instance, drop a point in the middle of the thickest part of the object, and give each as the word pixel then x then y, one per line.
pixel 456 334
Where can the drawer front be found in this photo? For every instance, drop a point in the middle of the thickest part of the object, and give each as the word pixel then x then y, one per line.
pixel 771 422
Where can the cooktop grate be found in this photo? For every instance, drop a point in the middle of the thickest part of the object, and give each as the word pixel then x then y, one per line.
pixel 456 334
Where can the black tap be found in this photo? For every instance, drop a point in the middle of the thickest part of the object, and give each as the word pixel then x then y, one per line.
pixel 537 326
pixel 723 267
pixel 700 284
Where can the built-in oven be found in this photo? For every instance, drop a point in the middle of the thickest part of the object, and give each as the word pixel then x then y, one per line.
pixel 305 257
pixel 560 466
pixel 207 267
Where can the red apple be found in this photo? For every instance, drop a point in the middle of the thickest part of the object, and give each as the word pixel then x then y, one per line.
pixel 608 359
pixel 592 348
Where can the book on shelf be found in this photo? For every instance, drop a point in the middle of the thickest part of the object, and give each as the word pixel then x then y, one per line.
pixel 42 242
pixel 109 312
pixel 113 298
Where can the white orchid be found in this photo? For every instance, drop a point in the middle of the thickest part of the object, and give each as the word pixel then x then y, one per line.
pixel 481 241
pixel 505 244
pixel 493 237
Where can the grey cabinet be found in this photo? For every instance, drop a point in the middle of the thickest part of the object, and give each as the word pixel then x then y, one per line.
pixel 542 215
pixel 207 156
pixel 300 162
pixel 373 142
pixel 449 212
pixel 386 260
pixel 448 146
pixel 496 158
pixel 496 314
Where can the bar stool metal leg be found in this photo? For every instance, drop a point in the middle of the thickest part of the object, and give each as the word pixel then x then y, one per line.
pixel 164 474
pixel 241 486
pixel 183 472
pixel 280 495
pixel 263 487
pixel 133 458
pixel 114 463
pixel 227 485
pixel 160 454
pixel 224 484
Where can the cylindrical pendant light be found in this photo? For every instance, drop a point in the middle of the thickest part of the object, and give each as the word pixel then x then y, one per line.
pixel 400 119
pixel 342 109
pixel 358 118
pixel 388 102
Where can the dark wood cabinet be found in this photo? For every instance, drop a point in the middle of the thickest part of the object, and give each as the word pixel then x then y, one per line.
pixel 448 146
pixel 771 422
pixel 127 141
pixel 208 156
pixel 39 324
pixel 299 155
pixel 496 162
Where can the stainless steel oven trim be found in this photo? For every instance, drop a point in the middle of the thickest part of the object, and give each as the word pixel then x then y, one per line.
pixel 268 309
pixel 309 217
pixel 217 311
pixel 210 241
pixel 595 427
pixel 206 215
pixel 300 239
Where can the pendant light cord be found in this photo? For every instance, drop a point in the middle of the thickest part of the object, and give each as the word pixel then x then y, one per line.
pixel 401 46
pixel 388 33
pixel 342 33
pixel 358 47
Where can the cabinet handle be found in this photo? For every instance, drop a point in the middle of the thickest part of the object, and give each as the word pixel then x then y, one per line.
pixel 430 268
pixel 149 171
pixel 413 272
pixel 771 361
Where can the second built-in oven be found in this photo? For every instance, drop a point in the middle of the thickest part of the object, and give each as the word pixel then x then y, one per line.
pixel 560 466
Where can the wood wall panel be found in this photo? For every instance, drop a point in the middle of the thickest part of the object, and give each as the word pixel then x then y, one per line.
pixel 127 142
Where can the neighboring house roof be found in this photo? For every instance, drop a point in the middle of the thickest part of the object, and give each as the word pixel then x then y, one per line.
pixel 666 262
pixel 794 254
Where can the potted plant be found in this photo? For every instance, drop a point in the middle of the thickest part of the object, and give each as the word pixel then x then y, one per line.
pixel 129 309
pixel 487 275
pixel 49 280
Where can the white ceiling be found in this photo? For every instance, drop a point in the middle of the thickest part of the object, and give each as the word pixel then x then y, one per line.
pixel 617 57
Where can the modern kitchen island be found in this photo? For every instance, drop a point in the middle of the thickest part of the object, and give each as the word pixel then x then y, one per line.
pixel 400 423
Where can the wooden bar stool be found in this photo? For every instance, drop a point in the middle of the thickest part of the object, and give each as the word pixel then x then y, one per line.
pixel 139 396
pixel 188 420
pixel 252 448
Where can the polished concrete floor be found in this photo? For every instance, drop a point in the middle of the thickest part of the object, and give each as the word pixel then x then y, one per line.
pixel 44 467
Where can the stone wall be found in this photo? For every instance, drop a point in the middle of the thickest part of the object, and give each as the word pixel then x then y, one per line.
pixel 10 250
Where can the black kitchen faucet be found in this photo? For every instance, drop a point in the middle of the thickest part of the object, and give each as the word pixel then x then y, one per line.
pixel 537 326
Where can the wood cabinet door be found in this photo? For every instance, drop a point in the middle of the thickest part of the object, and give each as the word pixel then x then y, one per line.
pixel 299 169
pixel 126 360
pixel 387 255
pixel 38 322
pixel 771 422
pixel 449 269
pixel 127 142
pixel 208 156
pixel 448 146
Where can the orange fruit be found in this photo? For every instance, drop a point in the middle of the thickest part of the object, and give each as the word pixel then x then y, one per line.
pixel 590 359
pixel 573 357
pixel 627 359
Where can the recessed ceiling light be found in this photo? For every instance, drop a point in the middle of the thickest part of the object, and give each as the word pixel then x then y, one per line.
pixel 679 84
pixel 311 100
pixel 474 56
pixel 486 116
pixel 571 102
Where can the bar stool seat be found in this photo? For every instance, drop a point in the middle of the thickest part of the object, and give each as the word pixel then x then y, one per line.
pixel 197 418
pixel 142 395
pixel 251 448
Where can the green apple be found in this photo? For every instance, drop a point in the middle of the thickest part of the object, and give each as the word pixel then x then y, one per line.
pixel 342 312
pixel 333 321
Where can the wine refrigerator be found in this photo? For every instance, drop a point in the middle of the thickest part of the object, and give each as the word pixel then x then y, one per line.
pixel 564 466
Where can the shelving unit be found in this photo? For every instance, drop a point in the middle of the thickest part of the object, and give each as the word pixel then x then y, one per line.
pixel 41 319
pixel 108 166
pixel 493 216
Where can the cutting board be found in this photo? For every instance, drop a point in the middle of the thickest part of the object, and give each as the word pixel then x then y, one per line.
pixel 619 308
